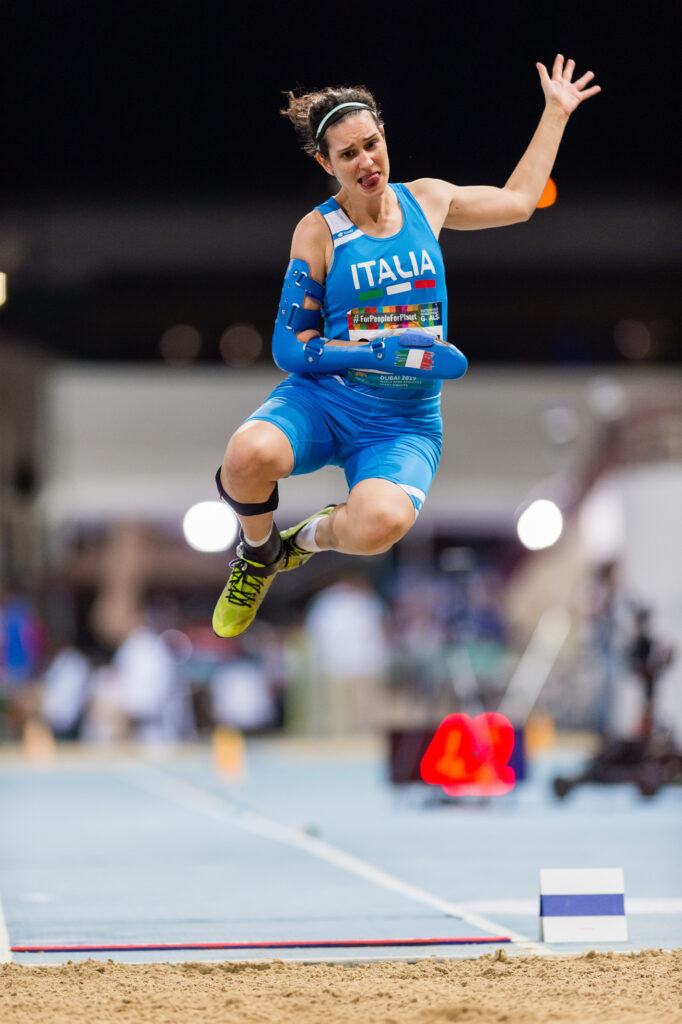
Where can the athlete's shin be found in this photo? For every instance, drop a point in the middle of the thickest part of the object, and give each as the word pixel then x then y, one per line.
pixel 259 557
pixel 326 538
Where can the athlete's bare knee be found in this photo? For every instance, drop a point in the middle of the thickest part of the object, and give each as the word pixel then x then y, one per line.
pixel 255 453
pixel 381 528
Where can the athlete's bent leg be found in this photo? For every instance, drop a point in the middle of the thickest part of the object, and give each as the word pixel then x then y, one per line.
pixel 375 516
pixel 257 456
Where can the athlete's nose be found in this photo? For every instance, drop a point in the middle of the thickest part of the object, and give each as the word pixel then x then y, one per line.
pixel 365 162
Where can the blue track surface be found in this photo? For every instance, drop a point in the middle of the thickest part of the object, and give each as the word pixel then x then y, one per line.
pixel 124 850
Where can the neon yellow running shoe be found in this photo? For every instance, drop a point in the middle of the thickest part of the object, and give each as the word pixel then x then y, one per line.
pixel 243 593
pixel 293 555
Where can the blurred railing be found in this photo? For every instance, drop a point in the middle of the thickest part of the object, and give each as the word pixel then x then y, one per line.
pixel 649 432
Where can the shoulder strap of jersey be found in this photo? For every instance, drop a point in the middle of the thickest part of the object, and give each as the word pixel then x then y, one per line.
pixel 339 223
pixel 410 200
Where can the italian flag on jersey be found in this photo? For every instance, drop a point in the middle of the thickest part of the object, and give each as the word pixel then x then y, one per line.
pixel 416 358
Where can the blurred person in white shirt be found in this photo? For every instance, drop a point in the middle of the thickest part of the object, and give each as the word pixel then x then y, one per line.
pixel 241 695
pixel 147 684
pixel 66 683
pixel 349 656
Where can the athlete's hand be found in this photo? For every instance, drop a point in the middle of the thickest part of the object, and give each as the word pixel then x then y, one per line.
pixel 418 356
pixel 560 91
pixel 414 337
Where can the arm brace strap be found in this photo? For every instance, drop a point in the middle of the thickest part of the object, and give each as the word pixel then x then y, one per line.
pixel 411 353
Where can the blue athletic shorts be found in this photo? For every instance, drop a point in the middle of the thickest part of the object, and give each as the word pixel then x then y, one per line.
pixel 328 423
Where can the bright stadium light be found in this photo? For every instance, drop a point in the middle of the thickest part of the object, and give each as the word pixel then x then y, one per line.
pixel 210 526
pixel 540 525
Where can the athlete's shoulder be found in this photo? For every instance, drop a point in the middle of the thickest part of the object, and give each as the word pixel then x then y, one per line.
pixel 430 188
pixel 311 230
pixel 312 225
pixel 311 242
pixel 434 197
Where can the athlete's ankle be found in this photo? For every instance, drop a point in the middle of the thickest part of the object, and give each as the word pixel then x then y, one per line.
pixel 306 539
pixel 265 551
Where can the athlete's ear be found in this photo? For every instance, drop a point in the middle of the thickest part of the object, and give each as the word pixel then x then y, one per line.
pixel 325 164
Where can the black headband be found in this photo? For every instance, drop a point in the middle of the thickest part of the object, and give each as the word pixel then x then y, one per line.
pixel 336 113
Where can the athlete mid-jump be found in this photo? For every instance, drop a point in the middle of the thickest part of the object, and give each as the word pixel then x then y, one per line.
pixel 365 393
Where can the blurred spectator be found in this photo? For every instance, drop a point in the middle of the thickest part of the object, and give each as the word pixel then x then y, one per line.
pixel 421 621
pixel 422 611
pixel 105 720
pixel 22 644
pixel 66 683
pixel 146 676
pixel 483 630
pixel 649 658
pixel 142 695
pixel 486 618
pixel 611 615
pixel 449 636
pixel 349 656
pixel 241 696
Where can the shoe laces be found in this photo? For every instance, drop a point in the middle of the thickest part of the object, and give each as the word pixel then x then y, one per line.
pixel 243 588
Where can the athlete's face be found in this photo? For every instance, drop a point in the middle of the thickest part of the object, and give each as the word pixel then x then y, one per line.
pixel 358 157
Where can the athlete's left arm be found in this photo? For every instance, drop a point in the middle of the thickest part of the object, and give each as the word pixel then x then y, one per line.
pixel 468 208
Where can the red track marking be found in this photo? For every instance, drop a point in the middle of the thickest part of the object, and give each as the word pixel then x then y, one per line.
pixel 305 944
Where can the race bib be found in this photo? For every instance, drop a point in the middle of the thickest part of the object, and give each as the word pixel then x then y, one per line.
pixel 371 322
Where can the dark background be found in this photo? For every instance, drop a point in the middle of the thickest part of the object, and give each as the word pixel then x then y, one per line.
pixel 137 107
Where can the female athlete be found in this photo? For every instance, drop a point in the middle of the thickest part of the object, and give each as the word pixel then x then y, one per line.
pixel 365 395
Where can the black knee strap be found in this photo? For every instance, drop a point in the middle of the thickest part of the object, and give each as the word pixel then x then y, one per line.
pixel 257 508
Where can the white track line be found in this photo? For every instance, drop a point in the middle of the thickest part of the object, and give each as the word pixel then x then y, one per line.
pixel 5 951
pixel 161 783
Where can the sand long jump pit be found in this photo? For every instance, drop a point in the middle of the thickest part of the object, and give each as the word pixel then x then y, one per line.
pixel 594 988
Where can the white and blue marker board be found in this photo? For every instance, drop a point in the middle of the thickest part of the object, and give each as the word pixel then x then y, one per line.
pixel 582 905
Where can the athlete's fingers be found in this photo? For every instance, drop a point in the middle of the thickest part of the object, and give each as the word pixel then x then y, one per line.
pixel 568 70
pixel 558 65
pixel 543 72
pixel 583 80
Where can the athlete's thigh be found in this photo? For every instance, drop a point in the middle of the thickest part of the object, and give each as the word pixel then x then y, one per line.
pixel 408 460
pixel 298 412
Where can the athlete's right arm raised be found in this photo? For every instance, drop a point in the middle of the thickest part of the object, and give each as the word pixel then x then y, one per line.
pixel 297 345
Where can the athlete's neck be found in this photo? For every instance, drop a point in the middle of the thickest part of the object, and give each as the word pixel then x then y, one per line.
pixel 375 216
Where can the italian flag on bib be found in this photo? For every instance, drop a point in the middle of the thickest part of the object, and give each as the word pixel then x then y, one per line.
pixel 416 358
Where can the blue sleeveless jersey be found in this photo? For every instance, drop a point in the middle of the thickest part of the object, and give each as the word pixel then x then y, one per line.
pixel 380 286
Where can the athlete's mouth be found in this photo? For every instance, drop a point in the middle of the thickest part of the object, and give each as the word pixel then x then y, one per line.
pixel 371 180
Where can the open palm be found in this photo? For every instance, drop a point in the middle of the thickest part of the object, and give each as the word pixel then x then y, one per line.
pixel 560 90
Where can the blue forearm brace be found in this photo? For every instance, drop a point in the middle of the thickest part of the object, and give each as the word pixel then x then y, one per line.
pixel 412 353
